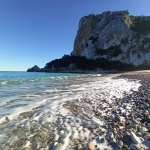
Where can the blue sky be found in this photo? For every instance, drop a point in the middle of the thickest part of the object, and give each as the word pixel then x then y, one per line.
pixel 38 31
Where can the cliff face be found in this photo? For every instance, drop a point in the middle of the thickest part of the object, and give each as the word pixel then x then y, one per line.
pixel 114 36
pixel 86 27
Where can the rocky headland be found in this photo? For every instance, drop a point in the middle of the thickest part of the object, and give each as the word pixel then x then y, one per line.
pixel 115 36
pixel 34 69
pixel 111 40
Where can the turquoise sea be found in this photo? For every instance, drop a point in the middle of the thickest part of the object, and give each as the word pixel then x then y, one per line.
pixel 20 91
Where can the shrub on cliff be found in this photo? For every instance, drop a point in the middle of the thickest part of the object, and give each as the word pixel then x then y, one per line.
pixel 112 51
pixel 87 64
pixel 141 25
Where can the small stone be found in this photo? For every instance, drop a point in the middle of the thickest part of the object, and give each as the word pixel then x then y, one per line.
pixel 59 146
pixel 42 136
pixel 102 140
pixel 7 119
pixel 135 139
pixel 110 136
pixel 79 146
pixel 90 146
pixel 27 143
pixel 86 124
pixel 120 144
pixel 135 121
pixel 78 120
pixel 147 137
pixel 128 123
pixel 135 147
pixel 139 134
pixel 56 137
pixel 138 119
pixel 118 119
pixel 102 132
pixel 98 113
pixel 125 147
pixel 143 130
pixel 61 132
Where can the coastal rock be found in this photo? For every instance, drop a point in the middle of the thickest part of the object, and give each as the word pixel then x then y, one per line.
pixel 34 69
pixel 114 35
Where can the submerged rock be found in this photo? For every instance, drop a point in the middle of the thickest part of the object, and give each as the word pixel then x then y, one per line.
pixel 7 119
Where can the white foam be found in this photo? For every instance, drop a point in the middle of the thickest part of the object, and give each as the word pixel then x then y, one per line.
pixel 16 111
pixel 4 83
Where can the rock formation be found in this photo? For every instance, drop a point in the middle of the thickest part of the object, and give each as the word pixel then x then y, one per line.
pixel 110 41
pixel 115 36
pixel 86 26
pixel 34 69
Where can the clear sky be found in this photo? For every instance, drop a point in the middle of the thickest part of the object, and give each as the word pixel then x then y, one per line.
pixel 38 31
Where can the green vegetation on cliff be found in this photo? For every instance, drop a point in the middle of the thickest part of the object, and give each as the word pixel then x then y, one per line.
pixel 112 51
pixel 141 25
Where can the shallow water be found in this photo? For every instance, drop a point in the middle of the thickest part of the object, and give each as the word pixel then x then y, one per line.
pixel 20 91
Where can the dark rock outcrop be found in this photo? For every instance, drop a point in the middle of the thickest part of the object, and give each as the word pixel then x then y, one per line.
pixel 72 63
pixel 34 69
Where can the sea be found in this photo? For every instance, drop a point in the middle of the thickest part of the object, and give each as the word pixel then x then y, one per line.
pixel 21 91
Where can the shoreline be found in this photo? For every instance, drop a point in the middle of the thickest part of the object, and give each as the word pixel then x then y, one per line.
pixel 106 124
pixel 127 129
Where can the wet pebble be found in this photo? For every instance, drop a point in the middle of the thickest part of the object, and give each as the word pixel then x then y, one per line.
pixel 90 146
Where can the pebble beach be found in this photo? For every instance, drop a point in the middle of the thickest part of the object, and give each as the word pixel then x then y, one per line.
pixel 112 117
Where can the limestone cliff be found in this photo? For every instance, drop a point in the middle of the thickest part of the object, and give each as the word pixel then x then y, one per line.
pixel 114 36
pixel 86 26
